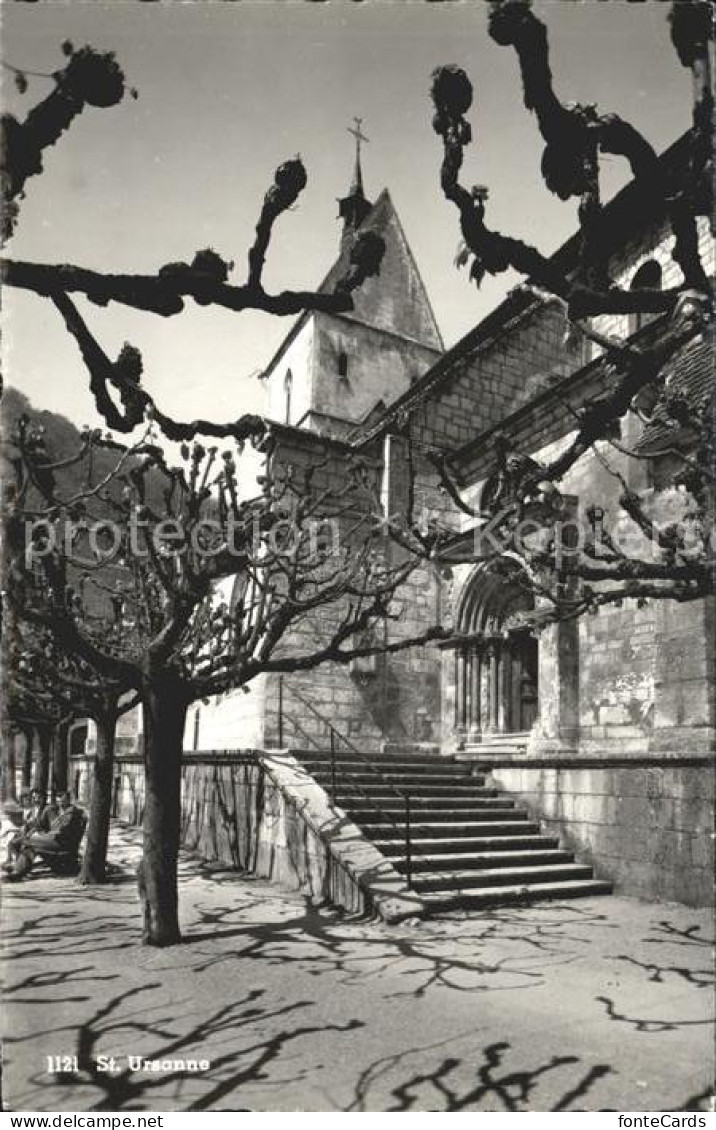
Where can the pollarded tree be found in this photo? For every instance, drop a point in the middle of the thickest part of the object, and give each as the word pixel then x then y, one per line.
pixel 58 684
pixel 145 548
pixel 43 724
pixel 91 78
pixel 673 559
pixel 159 633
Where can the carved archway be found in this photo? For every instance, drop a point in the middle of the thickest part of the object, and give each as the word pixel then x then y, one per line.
pixel 496 673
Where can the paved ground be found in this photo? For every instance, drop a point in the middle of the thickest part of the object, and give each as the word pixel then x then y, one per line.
pixel 599 1004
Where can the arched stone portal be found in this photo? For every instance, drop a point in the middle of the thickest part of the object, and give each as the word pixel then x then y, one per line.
pixel 496 679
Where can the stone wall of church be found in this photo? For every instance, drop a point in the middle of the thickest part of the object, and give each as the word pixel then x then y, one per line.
pixel 235 720
pixel 645 823
pixel 633 791
pixel 656 244
pixel 394 697
pixel 523 356
pixel 379 366
pixel 288 387
pixel 389 698
pixel 642 674
pixel 645 675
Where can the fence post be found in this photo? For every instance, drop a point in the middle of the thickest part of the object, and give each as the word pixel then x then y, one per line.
pixel 408 854
pixel 333 765
pixel 280 712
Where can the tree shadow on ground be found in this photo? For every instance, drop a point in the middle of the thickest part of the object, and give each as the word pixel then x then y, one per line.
pixel 701 978
pixel 649 1024
pixel 318 941
pixel 241 927
pixel 498 1086
pixel 666 933
pixel 241 1052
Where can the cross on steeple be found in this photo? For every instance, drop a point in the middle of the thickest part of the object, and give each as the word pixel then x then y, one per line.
pixel 358 135
pixel 357 185
pixel 354 207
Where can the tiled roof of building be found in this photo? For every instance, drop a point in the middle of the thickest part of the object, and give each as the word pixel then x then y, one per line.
pixel 628 203
pixel 688 383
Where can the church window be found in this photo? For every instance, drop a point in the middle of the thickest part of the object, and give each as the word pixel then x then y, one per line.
pixel 342 364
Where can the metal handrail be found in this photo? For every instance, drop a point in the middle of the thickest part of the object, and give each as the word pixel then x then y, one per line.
pixel 336 735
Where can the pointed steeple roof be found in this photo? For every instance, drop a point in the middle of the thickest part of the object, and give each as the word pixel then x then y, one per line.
pixel 396 299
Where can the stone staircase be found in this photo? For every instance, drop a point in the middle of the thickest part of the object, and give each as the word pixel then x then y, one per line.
pixel 471 846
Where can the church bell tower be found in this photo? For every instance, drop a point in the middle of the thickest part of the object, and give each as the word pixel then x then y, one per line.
pixel 333 371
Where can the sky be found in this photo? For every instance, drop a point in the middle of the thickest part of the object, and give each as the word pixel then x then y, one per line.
pixel 228 90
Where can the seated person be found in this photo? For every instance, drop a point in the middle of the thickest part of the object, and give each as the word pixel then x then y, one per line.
pixel 39 814
pixel 11 830
pixel 36 817
pixel 63 835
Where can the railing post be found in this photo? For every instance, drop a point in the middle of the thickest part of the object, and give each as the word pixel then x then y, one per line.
pixel 280 712
pixel 333 765
pixel 408 855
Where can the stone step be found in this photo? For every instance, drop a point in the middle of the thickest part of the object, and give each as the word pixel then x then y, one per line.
pixel 438 793
pixel 481 810
pixel 394 806
pixel 479 860
pixel 520 740
pixel 394 849
pixel 449 818
pixel 376 755
pixel 402 780
pixel 438 773
pixel 489 749
pixel 470 845
pixel 421 830
pixel 449 901
pixel 388 802
pixel 500 877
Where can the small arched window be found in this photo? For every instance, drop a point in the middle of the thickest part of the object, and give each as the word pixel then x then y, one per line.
pixel 342 364
pixel 287 388
pixel 648 277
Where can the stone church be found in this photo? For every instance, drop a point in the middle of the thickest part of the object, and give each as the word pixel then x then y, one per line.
pixel 601 729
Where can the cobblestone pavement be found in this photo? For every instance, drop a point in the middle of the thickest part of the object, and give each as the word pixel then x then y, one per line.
pixel 600 1004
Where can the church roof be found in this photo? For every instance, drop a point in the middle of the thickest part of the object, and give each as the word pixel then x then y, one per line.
pixel 629 205
pixel 396 299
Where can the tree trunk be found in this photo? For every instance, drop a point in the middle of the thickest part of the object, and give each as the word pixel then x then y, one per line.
pixel 9 777
pixel 29 735
pixel 59 759
pixel 94 861
pixel 165 707
pixel 42 765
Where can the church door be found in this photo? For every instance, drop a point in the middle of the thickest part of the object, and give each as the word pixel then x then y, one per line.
pixel 496 674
